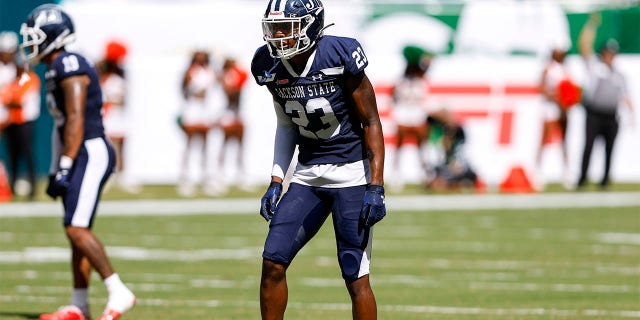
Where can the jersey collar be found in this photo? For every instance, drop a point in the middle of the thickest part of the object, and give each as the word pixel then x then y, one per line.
pixel 305 72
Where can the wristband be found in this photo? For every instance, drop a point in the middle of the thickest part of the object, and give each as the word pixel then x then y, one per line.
pixel 275 184
pixel 65 162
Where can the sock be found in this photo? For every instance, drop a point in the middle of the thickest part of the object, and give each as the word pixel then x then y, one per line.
pixel 113 283
pixel 121 298
pixel 80 299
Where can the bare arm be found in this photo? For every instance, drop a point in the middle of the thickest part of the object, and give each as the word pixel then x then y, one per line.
pixel 628 102
pixel 364 99
pixel 548 94
pixel 588 36
pixel 75 93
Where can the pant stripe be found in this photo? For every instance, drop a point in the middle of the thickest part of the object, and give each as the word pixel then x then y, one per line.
pixel 97 165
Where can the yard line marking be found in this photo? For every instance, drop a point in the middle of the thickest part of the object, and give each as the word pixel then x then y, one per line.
pixel 158 207
pixel 59 254
pixel 448 310
pixel 619 238
pixel 556 287
pixel 405 280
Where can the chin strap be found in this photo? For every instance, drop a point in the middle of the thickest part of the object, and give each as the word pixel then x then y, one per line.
pixel 327 26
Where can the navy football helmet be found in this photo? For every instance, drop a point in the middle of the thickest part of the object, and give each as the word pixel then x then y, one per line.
pixel 291 27
pixel 47 28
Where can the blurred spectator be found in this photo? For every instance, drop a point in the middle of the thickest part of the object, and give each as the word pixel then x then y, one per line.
pixel 233 79
pixel 560 93
pixel 21 98
pixel 604 91
pixel 114 90
pixel 410 107
pixel 8 48
pixel 196 117
pixel 452 172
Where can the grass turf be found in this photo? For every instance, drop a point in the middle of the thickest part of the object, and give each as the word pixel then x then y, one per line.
pixel 488 264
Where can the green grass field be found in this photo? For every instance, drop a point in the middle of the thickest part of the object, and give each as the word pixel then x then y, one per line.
pixel 487 264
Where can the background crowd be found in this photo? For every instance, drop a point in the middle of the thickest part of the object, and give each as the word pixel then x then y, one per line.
pixel 212 87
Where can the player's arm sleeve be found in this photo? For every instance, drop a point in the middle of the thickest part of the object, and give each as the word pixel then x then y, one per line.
pixel 56 151
pixel 285 144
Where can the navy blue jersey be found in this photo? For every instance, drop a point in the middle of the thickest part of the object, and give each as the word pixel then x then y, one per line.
pixel 69 64
pixel 329 128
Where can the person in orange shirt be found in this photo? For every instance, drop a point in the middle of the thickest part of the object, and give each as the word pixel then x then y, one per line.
pixel 21 98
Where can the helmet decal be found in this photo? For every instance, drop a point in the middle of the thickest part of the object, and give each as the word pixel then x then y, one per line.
pixel 310 4
pixel 48 16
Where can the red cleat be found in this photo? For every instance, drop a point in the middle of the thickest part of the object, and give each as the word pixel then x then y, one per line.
pixel 110 315
pixel 64 313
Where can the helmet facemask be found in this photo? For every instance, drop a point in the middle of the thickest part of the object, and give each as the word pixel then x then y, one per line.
pixel 287 37
pixel 35 45
pixel 47 28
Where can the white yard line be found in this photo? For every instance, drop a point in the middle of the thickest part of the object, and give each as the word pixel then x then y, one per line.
pixel 60 254
pixel 404 203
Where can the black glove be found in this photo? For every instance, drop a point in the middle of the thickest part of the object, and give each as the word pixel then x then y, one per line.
pixel 373 207
pixel 270 200
pixel 59 183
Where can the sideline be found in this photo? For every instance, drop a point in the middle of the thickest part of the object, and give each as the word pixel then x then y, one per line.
pixel 405 203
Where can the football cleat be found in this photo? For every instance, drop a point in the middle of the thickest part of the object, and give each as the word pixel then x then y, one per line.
pixel 64 313
pixel 112 314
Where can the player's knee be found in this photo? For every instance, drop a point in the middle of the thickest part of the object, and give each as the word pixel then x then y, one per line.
pixel 75 233
pixel 359 288
pixel 274 271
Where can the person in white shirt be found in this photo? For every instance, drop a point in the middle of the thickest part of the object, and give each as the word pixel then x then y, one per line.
pixel 604 91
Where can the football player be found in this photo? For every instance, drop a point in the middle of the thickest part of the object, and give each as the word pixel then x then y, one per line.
pixel 325 105
pixel 82 158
